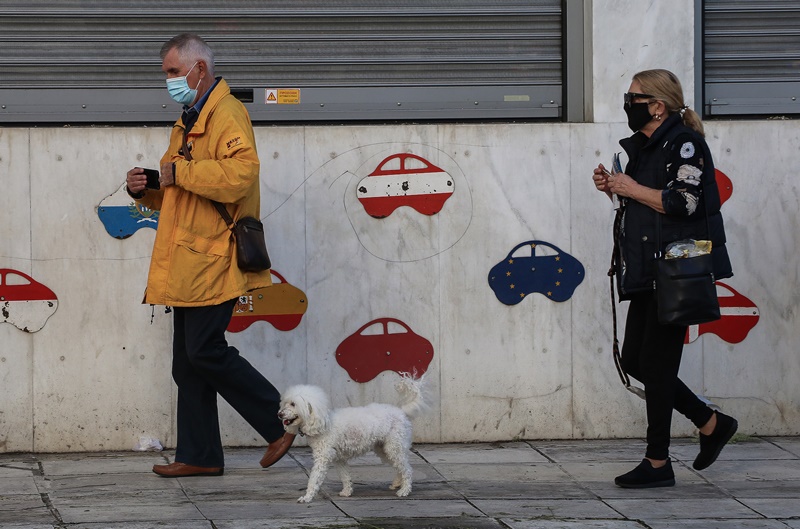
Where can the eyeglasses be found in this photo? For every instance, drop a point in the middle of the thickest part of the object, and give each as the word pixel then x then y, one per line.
pixel 630 96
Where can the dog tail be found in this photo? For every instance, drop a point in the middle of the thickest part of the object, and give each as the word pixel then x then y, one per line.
pixel 412 390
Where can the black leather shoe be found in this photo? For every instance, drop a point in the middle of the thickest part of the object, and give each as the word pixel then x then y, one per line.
pixel 645 476
pixel 711 445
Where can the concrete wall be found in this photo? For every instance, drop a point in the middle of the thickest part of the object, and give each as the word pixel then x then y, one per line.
pixel 97 375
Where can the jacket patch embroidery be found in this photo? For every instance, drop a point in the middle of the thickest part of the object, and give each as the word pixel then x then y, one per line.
pixel 235 142
pixel 687 150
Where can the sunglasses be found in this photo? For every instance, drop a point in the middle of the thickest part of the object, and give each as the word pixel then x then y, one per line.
pixel 630 96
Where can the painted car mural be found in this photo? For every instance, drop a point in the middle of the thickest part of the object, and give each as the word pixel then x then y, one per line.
pixel 738 316
pixel 724 185
pixel 24 302
pixel 281 305
pixel 122 216
pixel 365 355
pixel 405 180
pixel 554 276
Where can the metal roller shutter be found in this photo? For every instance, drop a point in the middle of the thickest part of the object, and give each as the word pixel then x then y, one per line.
pixel 751 57
pixel 79 61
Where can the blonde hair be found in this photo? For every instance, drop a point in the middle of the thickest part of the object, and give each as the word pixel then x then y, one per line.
pixel 665 86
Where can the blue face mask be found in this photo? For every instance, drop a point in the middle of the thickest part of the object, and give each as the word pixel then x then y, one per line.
pixel 179 89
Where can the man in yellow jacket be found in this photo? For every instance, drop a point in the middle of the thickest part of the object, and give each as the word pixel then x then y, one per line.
pixel 193 267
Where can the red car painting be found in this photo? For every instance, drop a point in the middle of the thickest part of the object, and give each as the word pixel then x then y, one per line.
pixel 405 180
pixel 724 185
pixel 364 356
pixel 24 302
pixel 738 317
pixel 281 305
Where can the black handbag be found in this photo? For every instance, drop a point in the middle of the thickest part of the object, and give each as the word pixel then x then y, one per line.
pixel 685 289
pixel 251 247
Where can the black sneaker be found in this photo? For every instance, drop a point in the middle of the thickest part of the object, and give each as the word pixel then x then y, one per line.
pixel 711 445
pixel 645 476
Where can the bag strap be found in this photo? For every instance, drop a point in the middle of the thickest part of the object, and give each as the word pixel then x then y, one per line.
pixel 220 208
pixel 623 376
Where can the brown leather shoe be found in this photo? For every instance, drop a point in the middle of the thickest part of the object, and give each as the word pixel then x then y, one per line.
pixel 182 470
pixel 277 449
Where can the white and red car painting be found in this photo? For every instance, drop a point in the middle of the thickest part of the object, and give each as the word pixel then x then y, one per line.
pixel 405 180
pixel 24 302
pixel 738 316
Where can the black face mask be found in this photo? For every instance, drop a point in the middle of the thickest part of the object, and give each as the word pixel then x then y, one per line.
pixel 638 115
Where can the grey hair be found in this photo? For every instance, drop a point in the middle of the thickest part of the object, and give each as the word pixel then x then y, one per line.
pixel 190 48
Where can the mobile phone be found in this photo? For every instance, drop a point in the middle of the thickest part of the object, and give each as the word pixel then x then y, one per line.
pixel 152 179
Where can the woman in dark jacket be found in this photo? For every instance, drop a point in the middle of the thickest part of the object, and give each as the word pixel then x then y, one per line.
pixel 670 174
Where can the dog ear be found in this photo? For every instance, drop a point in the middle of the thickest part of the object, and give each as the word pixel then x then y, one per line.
pixel 316 421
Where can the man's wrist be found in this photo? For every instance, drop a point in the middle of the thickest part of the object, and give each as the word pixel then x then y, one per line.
pixel 174 174
pixel 140 194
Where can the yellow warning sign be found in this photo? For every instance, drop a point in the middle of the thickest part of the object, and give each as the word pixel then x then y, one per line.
pixel 282 96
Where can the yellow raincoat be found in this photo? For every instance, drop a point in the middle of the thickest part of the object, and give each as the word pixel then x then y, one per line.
pixel 194 256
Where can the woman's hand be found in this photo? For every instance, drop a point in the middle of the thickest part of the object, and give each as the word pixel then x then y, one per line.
pixel 600 178
pixel 622 185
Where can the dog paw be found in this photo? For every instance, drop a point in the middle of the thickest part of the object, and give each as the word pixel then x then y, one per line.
pixel 346 493
pixel 405 491
pixel 305 499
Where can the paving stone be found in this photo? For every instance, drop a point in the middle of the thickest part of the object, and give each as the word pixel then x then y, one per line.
pixel 717 524
pixel 24 509
pixel 790 444
pixel 653 509
pixel 573 509
pixel 92 464
pixel 583 450
pixel 572 524
pixel 482 453
pixel 404 508
pixel 19 485
pixel 774 507
pixel 125 511
pixel 473 490
pixel 29 526
pixel 754 449
pixel 761 489
pixel 455 522
pixel 194 524
pixel 264 510
pixel 306 522
pixel 745 471
pixel 17 470
pixel 506 472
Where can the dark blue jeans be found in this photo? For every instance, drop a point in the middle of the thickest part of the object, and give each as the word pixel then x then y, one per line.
pixel 651 353
pixel 204 365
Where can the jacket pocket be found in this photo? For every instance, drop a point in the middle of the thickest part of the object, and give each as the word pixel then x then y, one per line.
pixel 199 268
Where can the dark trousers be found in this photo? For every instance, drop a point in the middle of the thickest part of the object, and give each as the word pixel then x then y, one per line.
pixel 204 365
pixel 651 353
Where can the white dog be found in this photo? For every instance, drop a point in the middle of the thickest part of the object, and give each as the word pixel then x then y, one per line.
pixel 336 436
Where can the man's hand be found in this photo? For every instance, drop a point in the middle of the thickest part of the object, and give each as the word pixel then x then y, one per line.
pixel 136 180
pixel 167 176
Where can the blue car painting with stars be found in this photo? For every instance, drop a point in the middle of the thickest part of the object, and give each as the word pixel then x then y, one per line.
pixel 553 274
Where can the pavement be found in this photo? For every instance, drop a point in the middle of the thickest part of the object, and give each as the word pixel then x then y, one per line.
pixel 516 485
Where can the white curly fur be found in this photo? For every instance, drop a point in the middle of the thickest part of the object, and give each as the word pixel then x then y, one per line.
pixel 336 436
